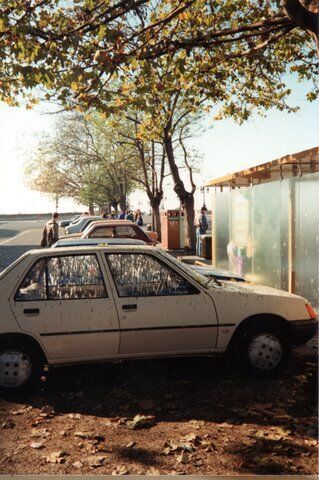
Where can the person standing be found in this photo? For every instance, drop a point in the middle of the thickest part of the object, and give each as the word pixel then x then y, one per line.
pixel 138 219
pixel 201 228
pixel 129 216
pixel 50 233
pixel 122 215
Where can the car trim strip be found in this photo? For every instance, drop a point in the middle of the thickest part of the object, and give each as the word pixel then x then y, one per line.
pixel 168 327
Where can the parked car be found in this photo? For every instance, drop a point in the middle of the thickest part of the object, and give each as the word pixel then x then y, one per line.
pixel 65 306
pixel 117 229
pixel 217 273
pixel 80 224
pixel 65 223
pixel 96 242
pixel 84 304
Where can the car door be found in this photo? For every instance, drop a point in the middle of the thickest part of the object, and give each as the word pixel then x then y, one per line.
pixel 63 300
pixel 160 311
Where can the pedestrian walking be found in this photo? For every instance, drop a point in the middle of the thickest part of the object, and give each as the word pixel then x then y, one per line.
pixel 138 219
pixel 201 228
pixel 50 233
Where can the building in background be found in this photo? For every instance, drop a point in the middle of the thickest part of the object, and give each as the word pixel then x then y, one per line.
pixel 265 223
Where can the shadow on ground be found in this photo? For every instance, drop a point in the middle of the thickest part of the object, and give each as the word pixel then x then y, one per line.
pixel 6 233
pixel 179 390
pixel 9 253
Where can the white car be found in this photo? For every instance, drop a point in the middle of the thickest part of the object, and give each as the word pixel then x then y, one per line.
pixel 80 224
pixel 87 304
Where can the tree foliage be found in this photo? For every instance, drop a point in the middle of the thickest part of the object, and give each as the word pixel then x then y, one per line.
pixel 74 49
pixel 81 162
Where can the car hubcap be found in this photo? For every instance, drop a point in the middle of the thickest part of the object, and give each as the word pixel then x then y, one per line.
pixel 265 351
pixel 15 369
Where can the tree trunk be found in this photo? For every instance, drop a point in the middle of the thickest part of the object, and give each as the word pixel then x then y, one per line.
pixel 91 209
pixel 123 204
pixel 155 204
pixel 186 198
pixel 301 16
pixel 189 221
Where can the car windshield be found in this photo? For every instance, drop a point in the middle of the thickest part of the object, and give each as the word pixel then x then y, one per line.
pixel 187 269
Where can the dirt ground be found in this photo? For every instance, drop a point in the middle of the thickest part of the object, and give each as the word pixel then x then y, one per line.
pixel 178 416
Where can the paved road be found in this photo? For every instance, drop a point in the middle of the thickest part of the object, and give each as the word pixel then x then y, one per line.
pixel 16 237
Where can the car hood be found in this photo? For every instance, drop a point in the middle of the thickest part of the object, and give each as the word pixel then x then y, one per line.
pixel 249 288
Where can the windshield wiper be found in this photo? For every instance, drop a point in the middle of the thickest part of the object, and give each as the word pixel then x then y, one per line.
pixel 215 280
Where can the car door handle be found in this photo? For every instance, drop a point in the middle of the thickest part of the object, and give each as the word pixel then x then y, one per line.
pixel 31 311
pixel 131 307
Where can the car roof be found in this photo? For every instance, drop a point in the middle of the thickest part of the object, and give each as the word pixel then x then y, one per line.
pixel 88 217
pixel 96 248
pixel 99 241
pixel 112 222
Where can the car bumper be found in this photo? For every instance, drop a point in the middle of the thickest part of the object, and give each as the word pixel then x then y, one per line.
pixel 304 330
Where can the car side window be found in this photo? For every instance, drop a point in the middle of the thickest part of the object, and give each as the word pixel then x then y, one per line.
pixel 33 286
pixel 138 275
pixel 124 231
pixel 102 232
pixel 74 277
pixel 63 278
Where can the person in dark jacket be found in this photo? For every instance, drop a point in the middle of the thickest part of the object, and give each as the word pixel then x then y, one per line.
pixel 50 233
pixel 201 228
pixel 129 216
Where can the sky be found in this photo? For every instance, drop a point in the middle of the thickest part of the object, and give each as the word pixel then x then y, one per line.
pixel 225 148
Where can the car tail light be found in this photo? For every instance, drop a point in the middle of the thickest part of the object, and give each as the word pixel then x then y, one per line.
pixel 311 311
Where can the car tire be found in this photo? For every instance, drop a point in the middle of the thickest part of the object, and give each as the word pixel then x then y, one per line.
pixel 262 349
pixel 21 366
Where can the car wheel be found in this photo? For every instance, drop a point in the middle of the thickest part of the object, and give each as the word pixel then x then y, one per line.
pixel 21 366
pixel 263 350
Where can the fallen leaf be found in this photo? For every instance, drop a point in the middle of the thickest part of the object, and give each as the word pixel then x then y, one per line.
pixel 75 416
pixel 95 462
pixel 153 471
pixel 8 424
pixel 21 411
pixel 42 432
pixel 56 457
pixel 182 458
pixel 198 463
pixel 208 445
pixel 170 447
pixel 274 433
pixel 130 444
pixel 37 445
pixel 140 421
pixel 192 438
pixel 47 412
pixel 120 471
pixel 311 442
pixel 77 464
pixel 90 436
pixel 197 423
